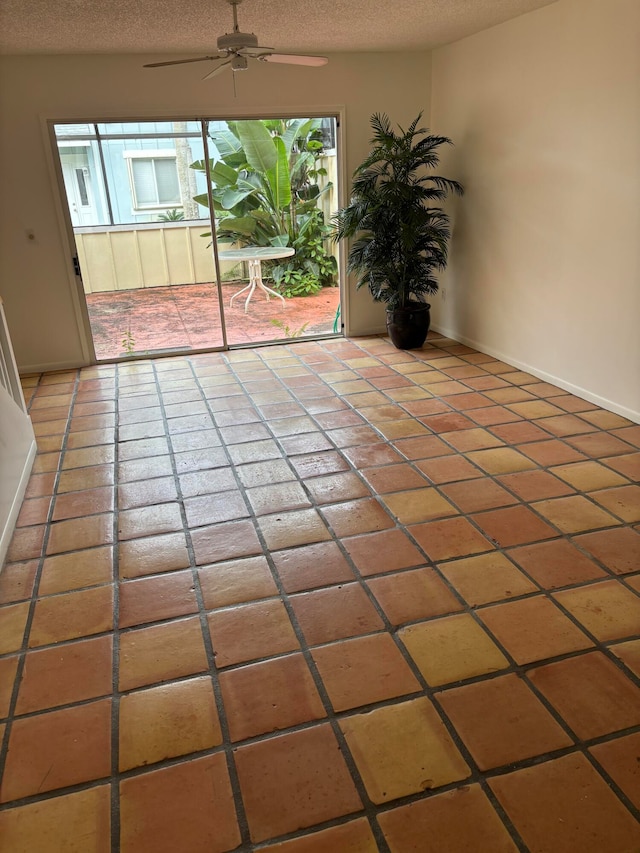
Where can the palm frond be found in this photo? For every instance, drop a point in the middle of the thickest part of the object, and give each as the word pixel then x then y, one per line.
pixel 400 239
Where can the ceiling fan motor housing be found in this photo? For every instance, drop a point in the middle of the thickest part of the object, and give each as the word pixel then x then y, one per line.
pixel 237 41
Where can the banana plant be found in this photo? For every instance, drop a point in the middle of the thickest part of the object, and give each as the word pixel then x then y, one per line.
pixel 264 186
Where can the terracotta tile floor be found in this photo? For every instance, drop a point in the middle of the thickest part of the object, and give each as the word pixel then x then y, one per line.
pixel 187 317
pixel 323 596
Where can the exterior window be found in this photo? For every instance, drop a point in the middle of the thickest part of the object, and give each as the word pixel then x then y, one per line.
pixel 154 179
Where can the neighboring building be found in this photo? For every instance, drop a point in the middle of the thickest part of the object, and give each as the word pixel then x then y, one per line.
pixel 117 174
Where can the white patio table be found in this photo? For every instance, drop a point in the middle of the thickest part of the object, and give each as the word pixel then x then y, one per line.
pixel 255 255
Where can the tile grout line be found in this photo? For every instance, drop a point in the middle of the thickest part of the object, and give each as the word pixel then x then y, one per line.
pixel 502 549
pixel 24 647
pixel 227 745
pixel 115 685
pixel 302 644
pixel 476 775
pixel 622 580
pixel 518 669
pixel 368 807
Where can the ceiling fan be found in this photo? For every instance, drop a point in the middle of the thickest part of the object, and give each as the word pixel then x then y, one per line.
pixel 237 47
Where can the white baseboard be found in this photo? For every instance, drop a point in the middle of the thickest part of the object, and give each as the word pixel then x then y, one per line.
pixel 570 387
pixel 7 532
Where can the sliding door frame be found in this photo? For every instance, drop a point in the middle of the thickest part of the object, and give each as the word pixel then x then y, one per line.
pixel 77 292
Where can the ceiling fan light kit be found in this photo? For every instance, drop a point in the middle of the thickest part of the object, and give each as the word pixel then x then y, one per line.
pixel 236 48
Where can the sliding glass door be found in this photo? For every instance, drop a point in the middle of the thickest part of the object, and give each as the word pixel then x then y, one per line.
pixel 195 235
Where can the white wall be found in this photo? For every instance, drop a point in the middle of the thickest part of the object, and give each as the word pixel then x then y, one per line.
pixel 17 441
pixel 17 452
pixel 545 114
pixel 37 280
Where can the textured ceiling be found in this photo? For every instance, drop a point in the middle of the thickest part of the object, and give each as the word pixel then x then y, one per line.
pixel 191 26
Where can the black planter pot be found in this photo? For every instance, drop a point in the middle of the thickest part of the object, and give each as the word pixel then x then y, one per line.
pixel 408 327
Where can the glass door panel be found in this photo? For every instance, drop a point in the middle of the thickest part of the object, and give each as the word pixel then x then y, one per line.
pixel 274 187
pixel 148 273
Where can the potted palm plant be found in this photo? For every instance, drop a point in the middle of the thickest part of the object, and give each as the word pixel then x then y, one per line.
pixel 401 238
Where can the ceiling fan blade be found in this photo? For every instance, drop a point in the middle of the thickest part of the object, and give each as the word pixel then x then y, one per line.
pixel 179 61
pixel 294 59
pixel 255 51
pixel 217 69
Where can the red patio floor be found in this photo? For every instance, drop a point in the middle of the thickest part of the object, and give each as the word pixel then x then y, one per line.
pixel 185 317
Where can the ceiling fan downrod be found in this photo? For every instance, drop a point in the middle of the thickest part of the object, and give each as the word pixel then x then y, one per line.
pixel 236 40
pixel 235 4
